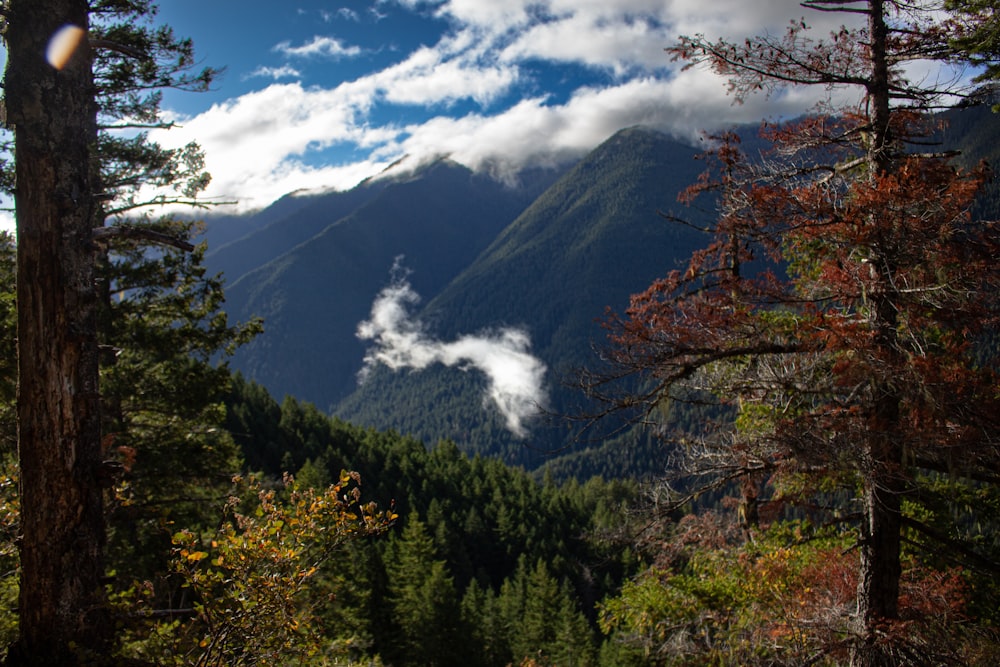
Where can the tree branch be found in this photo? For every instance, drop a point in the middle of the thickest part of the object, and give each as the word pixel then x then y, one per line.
pixel 139 126
pixel 817 5
pixel 116 47
pixel 105 234
pixel 163 201
pixel 978 559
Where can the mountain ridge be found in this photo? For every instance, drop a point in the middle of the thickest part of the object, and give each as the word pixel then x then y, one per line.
pixel 309 349
pixel 547 260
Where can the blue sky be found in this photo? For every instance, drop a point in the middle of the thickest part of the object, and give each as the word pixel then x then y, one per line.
pixel 323 94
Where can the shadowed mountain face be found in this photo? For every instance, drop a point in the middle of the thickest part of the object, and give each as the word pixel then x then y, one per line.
pixel 314 274
pixel 545 258
pixel 590 241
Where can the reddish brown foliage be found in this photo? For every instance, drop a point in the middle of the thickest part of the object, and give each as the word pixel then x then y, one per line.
pixel 841 304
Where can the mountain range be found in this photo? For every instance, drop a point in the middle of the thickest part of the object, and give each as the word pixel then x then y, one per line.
pixel 458 278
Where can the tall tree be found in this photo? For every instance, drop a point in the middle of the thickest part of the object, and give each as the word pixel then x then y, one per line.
pixel 162 385
pixel 8 346
pixel 51 107
pixel 162 328
pixel 81 89
pixel 841 301
pixel 424 602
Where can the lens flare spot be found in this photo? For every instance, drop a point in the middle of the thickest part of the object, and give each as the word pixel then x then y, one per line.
pixel 63 44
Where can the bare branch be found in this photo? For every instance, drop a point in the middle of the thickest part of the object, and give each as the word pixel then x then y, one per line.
pixel 106 234
pixel 116 47
pixel 842 9
pixel 164 201
pixel 973 557
pixel 139 126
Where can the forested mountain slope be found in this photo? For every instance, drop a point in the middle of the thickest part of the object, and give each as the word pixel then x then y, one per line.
pixel 288 222
pixel 485 566
pixel 313 296
pixel 546 257
pixel 587 243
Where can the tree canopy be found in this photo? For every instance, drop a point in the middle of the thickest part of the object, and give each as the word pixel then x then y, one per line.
pixel 840 310
pixel 117 327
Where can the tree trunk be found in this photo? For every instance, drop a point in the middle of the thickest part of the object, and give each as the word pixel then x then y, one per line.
pixel 880 568
pixel 64 618
pixel 881 459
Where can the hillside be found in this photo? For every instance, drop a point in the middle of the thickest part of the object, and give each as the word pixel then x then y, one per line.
pixel 587 243
pixel 545 259
pixel 320 268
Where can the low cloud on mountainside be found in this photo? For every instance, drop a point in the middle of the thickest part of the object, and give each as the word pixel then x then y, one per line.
pixel 515 377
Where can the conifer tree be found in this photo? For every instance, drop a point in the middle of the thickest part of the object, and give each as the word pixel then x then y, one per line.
pixel 162 390
pixel 485 626
pixel 82 163
pixel 8 346
pixel 423 598
pixel 841 302
pixel 51 107
pixel 975 35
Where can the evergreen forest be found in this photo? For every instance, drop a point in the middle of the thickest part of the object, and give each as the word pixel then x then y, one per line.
pixel 817 383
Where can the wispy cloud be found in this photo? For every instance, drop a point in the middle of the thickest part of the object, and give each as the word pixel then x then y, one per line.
pixel 515 378
pixel 276 73
pixel 345 13
pixel 257 146
pixel 318 46
pixel 430 77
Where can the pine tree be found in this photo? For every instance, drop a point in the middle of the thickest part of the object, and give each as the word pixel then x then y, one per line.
pixel 537 629
pixel 484 625
pixel 544 624
pixel 8 346
pixel 975 34
pixel 423 599
pixel 73 173
pixel 52 109
pixel 162 389
pixel 839 307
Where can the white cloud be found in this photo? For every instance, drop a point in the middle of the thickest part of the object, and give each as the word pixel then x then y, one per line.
pixel 493 15
pixel 435 81
pixel 587 40
pixel 271 141
pixel 536 133
pixel 515 378
pixel 624 32
pixel 345 13
pixel 283 72
pixel 318 46
pixel 256 145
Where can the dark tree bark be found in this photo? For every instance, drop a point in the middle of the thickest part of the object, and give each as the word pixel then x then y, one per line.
pixel 64 619
pixel 879 569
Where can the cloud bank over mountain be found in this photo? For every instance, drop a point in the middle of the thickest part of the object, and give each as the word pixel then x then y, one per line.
pixel 498 85
pixel 515 377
